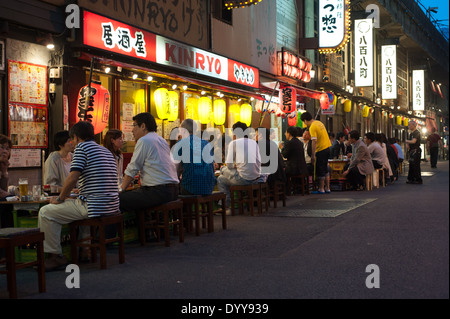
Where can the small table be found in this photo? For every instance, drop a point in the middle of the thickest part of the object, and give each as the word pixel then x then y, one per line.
pixel 337 168
pixel 29 205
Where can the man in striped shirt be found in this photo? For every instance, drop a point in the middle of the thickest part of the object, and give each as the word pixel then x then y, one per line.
pixel 94 168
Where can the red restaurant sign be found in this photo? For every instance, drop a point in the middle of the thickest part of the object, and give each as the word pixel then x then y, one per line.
pixel 107 34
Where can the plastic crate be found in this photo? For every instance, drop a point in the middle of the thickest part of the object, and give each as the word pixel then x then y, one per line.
pixel 28 253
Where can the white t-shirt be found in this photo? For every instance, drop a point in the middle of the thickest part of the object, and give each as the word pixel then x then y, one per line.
pixel 244 153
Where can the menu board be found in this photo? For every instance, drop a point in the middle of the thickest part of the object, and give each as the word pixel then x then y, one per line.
pixel 27 126
pixel 27 83
pixel 25 158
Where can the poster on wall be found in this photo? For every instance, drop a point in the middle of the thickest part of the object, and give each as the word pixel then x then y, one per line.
pixel 25 158
pixel 27 83
pixel 27 126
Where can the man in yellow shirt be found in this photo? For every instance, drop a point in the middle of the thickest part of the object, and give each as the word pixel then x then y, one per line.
pixel 320 150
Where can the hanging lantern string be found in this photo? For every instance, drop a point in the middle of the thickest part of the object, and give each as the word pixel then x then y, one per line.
pixel 261 116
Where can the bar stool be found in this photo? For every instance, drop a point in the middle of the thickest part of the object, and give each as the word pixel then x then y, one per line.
pixel 295 181
pixel 204 209
pixel 265 197
pixel 369 182
pixel 247 194
pixel 278 192
pixel 93 241
pixel 159 218
pixel 10 238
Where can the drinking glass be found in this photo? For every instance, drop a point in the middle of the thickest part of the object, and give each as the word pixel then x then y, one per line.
pixel 23 186
pixel 36 192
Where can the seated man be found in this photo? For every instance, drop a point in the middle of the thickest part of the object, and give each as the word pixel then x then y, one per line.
pixel 338 147
pixel 194 159
pixel 242 162
pixel 151 157
pixel 94 168
pixel 376 152
pixel 360 164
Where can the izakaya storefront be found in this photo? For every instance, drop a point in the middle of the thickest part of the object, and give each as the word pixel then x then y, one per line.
pixel 145 72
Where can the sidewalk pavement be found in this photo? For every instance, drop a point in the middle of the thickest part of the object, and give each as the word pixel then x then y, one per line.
pixel 317 247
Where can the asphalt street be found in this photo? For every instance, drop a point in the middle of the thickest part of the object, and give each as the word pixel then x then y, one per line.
pixel 389 243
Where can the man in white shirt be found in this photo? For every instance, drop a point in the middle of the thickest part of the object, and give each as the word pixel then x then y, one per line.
pixel 242 162
pixel 151 158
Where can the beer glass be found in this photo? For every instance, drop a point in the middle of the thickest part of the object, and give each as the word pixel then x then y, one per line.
pixel 23 186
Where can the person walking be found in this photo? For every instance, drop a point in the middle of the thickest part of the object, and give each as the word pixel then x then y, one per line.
pixel 413 144
pixel 434 141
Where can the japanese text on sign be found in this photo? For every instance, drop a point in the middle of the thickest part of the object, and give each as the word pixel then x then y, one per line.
pixel 363 52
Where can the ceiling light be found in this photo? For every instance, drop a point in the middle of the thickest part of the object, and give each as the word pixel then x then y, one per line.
pixel 149 78
pixel 174 87
pixel 185 87
pixel 203 92
pixel 107 69
pixel 134 76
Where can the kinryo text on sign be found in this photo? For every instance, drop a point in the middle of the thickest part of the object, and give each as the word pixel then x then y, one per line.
pixel 418 90
pixel 363 52
pixel 388 72
pixel 111 35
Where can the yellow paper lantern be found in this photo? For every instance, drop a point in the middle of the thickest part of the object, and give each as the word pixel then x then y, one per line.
pixel 235 112
pixel 219 111
pixel 204 109
pixel 348 106
pixel 405 121
pixel 192 108
pixel 246 114
pixel 365 111
pixel 162 102
pixel 139 97
pixel 399 120
pixel 173 97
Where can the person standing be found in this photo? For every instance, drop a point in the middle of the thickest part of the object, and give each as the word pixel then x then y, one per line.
pixel 434 141
pixel 95 170
pixel 360 164
pixel 158 174
pixel 194 156
pixel 413 144
pixel 320 151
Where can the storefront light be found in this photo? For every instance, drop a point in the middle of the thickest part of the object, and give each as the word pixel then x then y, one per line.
pixel 203 92
pixel 162 102
pixel 173 100
pixel 135 76
pixel 149 78
pixel 174 87
pixel 107 69
pixel 185 87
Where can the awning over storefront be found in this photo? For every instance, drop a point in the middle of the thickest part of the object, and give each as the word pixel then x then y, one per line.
pixel 176 77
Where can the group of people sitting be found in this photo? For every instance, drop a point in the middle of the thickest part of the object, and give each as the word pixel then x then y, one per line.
pixel 95 173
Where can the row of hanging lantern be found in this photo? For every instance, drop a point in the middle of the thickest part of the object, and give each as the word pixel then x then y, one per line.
pixel 201 109
pixel 294 66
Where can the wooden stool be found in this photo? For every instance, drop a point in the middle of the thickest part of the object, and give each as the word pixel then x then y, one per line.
pixel 93 241
pixel 293 183
pixel 265 197
pixel 161 213
pixel 278 192
pixel 369 182
pixel 10 238
pixel 247 194
pixel 204 209
pixel 380 170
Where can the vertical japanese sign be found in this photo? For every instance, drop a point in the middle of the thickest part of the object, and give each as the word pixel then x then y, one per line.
pixel 388 72
pixel 418 90
pixel 363 52
pixel 334 21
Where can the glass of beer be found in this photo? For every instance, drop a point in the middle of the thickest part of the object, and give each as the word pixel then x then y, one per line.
pixel 23 186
